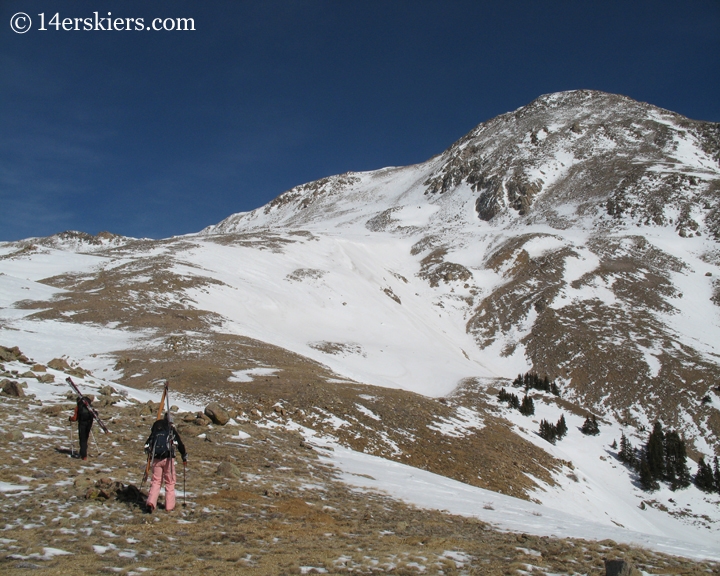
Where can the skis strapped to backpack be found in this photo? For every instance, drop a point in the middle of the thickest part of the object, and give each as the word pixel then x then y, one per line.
pixel 151 454
pixel 87 405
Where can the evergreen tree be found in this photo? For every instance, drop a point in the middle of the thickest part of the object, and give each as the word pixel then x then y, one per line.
pixel 527 381
pixel 527 407
pixel 554 388
pixel 647 480
pixel 546 384
pixel 561 427
pixel 627 452
pixel 590 426
pixel 716 475
pixel 676 470
pixel 548 431
pixel 704 478
pixel 655 452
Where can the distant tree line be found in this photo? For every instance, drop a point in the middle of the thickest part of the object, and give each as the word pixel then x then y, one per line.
pixel 662 458
pixel 532 380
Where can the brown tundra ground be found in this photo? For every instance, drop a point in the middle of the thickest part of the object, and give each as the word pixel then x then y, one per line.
pixel 272 508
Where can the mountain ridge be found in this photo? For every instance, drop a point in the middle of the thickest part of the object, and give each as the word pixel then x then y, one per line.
pixel 593 116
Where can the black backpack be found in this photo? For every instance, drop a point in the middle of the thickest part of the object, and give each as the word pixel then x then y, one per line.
pixel 162 443
pixel 84 413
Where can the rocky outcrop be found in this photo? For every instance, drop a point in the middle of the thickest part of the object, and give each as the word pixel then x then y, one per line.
pixel 217 414
pixel 12 355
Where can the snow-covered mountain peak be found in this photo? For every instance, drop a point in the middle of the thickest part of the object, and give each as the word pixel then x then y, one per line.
pixel 602 155
pixel 582 159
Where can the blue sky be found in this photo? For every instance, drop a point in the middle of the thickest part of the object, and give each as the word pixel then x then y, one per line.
pixel 152 134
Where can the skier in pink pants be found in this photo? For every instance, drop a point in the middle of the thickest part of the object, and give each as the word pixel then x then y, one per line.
pixel 160 446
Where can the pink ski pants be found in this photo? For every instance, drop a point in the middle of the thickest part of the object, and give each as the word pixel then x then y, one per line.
pixel 163 471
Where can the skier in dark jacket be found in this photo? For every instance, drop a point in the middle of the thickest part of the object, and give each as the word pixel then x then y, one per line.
pixel 84 418
pixel 160 447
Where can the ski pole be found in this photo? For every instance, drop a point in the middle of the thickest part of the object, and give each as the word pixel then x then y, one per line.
pixel 172 475
pixel 96 444
pixel 184 474
pixel 72 442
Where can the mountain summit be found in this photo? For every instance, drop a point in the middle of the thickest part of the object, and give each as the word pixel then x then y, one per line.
pixel 567 159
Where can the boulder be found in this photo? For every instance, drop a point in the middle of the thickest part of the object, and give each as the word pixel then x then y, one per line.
pixel 12 388
pixel 217 414
pixel 59 364
pixel 46 378
pixel 78 372
pixel 191 431
pixel 12 354
pixel 38 368
pixel 107 391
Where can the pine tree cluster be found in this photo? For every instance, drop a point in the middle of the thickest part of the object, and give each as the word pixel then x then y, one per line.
pixel 663 458
pixel 512 400
pixel 676 470
pixel 590 426
pixel 707 478
pixel 626 454
pixel 532 380
pixel 553 432
pixel 526 407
